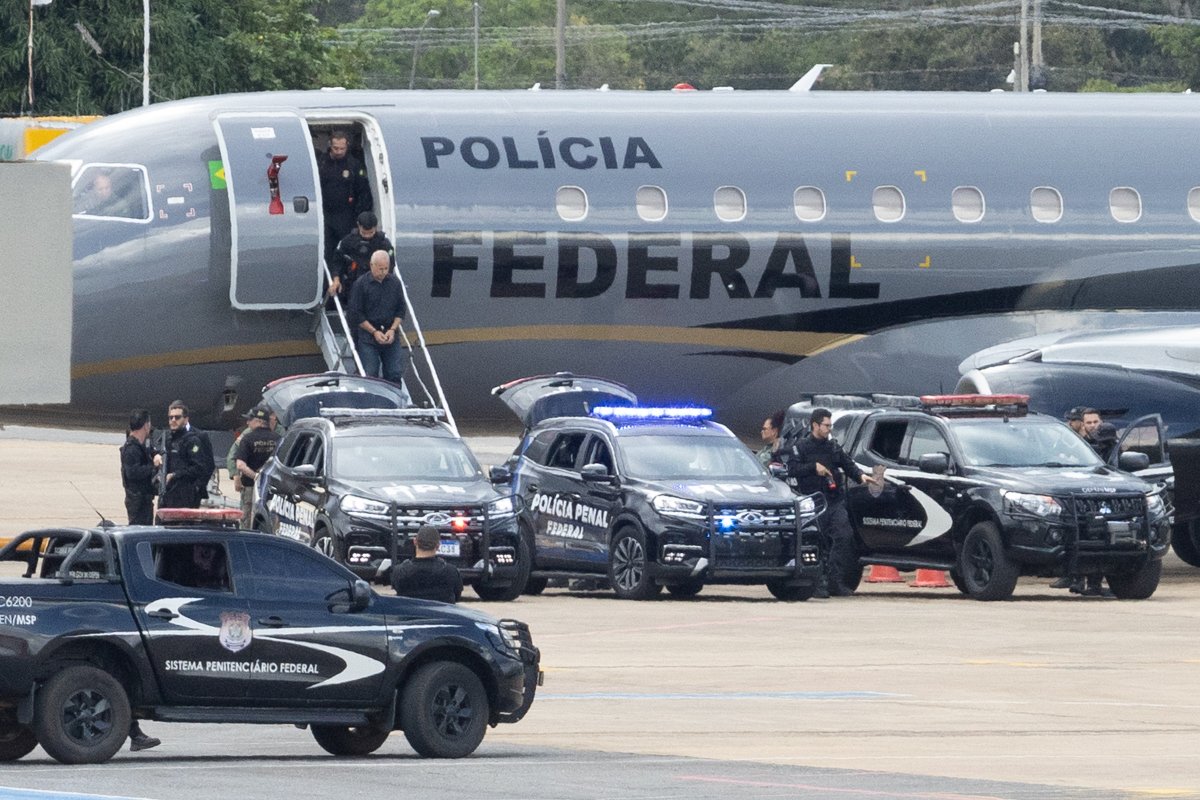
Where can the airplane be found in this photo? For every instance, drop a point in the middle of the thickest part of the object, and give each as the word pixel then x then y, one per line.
pixel 730 248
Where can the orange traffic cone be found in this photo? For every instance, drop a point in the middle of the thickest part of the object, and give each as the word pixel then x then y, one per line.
pixel 931 579
pixel 882 574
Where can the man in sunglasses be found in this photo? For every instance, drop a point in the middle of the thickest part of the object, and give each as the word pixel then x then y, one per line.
pixel 189 462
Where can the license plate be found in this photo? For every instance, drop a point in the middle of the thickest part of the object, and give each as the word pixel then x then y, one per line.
pixel 1121 532
pixel 448 548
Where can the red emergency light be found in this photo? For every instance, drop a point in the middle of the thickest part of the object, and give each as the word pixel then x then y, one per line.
pixel 974 400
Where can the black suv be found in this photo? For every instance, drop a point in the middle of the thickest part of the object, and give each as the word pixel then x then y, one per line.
pixel 650 497
pixel 356 484
pixel 978 486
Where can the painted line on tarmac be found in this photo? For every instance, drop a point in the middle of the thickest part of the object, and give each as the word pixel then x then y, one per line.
pixel 812 787
pixel 721 696
pixel 12 793
pixel 741 621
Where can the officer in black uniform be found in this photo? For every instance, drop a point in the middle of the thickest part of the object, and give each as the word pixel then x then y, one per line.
pixel 355 251
pixel 345 193
pixel 817 463
pixel 427 576
pixel 139 465
pixel 189 462
pixel 254 449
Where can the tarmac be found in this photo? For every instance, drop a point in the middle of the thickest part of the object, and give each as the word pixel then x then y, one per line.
pixel 896 692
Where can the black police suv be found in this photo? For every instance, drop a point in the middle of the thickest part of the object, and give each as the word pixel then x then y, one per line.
pixel 357 483
pixel 650 497
pixel 978 486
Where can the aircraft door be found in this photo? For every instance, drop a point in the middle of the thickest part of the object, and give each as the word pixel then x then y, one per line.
pixel 275 221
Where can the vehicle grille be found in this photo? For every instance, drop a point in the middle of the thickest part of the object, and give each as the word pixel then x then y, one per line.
pixel 1108 520
pixel 745 519
pixel 409 518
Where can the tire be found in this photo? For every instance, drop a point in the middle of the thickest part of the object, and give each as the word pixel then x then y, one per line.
pixel 81 716
pixel 852 575
pixel 15 740
pixel 513 590
pixel 783 591
pixel 1139 584
pixel 327 543
pixel 686 589
pixel 959 583
pixel 1185 544
pixel 627 566
pixel 444 711
pixel 535 586
pixel 342 741
pixel 987 571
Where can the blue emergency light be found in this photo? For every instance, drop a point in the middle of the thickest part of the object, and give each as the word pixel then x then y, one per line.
pixel 652 412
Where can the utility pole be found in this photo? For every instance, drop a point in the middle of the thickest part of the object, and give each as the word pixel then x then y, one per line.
pixel 560 44
pixel 145 52
pixel 1023 61
pixel 475 12
pixel 412 75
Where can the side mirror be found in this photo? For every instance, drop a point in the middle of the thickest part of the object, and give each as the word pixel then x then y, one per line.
pixel 936 463
pixel 1132 461
pixel 306 471
pixel 356 597
pixel 777 470
pixel 596 473
pixel 500 474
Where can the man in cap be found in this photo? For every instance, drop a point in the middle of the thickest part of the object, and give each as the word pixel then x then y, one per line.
pixel 255 447
pixel 1074 419
pixel 355 253
pixel 427 576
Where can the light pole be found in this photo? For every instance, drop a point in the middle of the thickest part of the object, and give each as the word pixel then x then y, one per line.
pixel 475 12
pixel 32 3
pixel 412 75
pixel 145 52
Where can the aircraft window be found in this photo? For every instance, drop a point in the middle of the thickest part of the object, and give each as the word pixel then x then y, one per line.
pixel 111 191
pixel 730 203
pixel 651 203
pixel 1194 204
pixel 572 203
pixel 809 204
pixel 1046 204
pixel 1125 204
pixel 889 203
pixel 967 202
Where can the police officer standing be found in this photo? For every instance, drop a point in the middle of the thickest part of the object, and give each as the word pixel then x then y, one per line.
pixel 189 462
pixel 345 193
pixel 818 464
pixel 139 465
pixel 255 448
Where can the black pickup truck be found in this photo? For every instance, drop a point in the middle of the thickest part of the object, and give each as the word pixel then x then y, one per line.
pixel 978 486
pixel 191 625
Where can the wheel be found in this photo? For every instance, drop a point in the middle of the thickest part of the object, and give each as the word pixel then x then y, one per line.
pixel 81 716
pixel 323 541
pixel 343 741
pixel 535 586
pixel 987 571
pixel 444 710
pixel 513 590
pixel 685 589
pixel 627 562
pixel 852 574
pixel 1139 584
pixel 959 583
pixel 15 739
pixel 1184 542
pixel 783 591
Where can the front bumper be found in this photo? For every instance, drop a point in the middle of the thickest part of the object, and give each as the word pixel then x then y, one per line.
pixel 519 684
pixel 1079 546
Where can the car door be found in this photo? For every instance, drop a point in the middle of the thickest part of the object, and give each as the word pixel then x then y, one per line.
pixel 551 501
pixel 598 504
pixel 308 644
pixel 933 497
pixel 196 635
pixel 1145 435
pixel 294 490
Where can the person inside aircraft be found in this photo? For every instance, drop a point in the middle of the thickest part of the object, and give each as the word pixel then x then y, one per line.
pixel 109 193
pixel 345 193
pixel 355 251
pixel 377 308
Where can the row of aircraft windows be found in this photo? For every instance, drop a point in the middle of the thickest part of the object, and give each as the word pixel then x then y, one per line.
pixel 808 203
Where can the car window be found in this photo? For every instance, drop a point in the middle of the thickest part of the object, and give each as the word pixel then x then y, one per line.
pixel 1143 437
pixel 886 438
pixel 316 455
pixel 565 451
pixel 374 458
pixel 689 457
pixel 295 454
pixel 926 439
pixel 1021 442
pixel 196 565
pixel 286 571
pixel 598 453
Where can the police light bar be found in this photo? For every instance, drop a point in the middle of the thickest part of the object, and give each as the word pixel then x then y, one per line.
pixel 652 412
pixel 403 413
pixel 974 400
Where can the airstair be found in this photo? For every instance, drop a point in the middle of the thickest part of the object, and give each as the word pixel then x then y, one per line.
pixel 336 340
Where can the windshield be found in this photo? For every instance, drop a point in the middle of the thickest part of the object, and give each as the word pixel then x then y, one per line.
pixel 400 458
pixel 1022 442
pixel 689 458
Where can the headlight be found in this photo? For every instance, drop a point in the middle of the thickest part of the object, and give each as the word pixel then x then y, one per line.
pixel 677 507
pixel 1155 506
pixel 353 504
pixel 503 639
pixel 808 506
pixel 1040 505
pixel 504 507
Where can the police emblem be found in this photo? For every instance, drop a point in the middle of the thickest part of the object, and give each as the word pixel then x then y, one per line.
pixel 235 632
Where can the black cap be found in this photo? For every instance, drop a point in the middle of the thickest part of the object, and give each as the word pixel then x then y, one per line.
pixel 367 219
pixel 260 411
pixel 1105 432
pixel 1075 414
